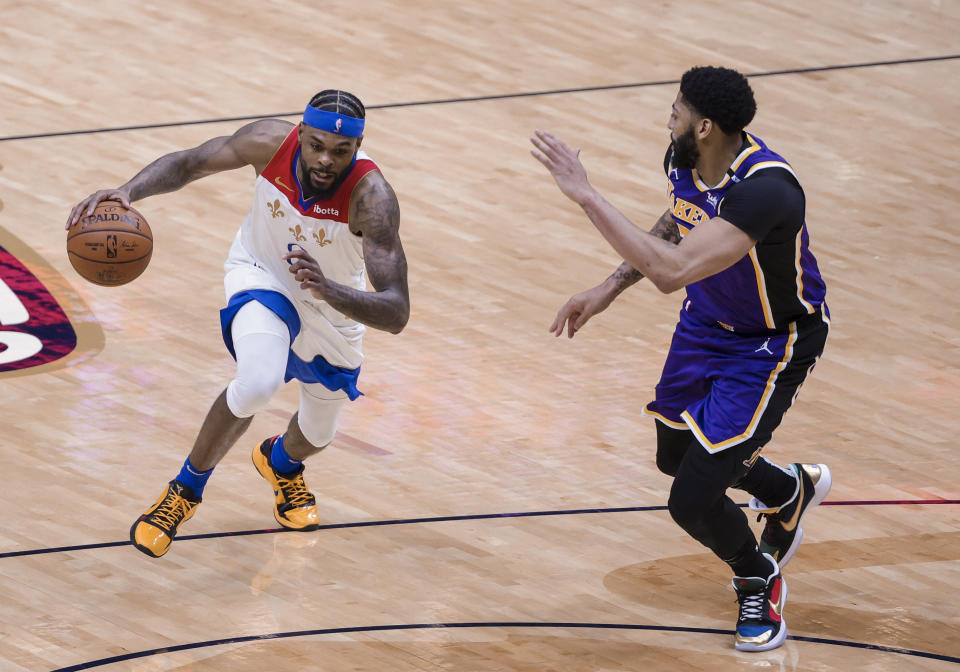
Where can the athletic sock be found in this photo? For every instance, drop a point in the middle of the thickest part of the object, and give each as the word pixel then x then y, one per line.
pixel 770 483
pixel 279 460
pixel 193 478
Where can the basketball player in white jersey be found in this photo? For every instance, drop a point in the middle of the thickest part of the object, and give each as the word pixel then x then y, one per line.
pixel 323 219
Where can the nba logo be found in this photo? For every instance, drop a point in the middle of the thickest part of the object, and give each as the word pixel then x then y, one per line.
pixel 338 125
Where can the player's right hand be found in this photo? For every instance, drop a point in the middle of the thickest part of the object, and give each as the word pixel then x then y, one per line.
pixel 580 308
pixel 87 205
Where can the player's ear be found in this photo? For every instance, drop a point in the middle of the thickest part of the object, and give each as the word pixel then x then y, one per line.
pixel 703 127
pixel 300 132
pixel 359 140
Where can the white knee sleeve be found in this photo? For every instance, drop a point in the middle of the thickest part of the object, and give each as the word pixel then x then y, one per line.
pixel 261 342
pixel 319 411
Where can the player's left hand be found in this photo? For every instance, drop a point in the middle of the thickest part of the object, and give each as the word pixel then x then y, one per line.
pixel 307 272
pixel 564 164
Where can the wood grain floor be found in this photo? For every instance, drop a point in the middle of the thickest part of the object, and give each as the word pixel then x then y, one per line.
pixel 475 409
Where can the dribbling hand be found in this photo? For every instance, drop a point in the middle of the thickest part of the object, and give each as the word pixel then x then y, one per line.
pixel 86 206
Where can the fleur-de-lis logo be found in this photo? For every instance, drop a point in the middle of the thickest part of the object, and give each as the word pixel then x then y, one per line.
pixel 321 238
pixel 297 233
pixel 275 209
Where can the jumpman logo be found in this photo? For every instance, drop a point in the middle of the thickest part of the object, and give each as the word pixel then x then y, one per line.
pixel 765 347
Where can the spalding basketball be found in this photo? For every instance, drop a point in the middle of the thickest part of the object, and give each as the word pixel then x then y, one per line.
pixel 110 247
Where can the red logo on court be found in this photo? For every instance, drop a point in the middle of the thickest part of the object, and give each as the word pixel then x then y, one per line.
pixel 34 330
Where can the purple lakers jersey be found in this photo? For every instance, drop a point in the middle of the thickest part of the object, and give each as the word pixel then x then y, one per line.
pixel 778 281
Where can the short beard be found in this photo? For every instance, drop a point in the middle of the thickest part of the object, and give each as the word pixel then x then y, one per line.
pixel 685 151
pixel 309 191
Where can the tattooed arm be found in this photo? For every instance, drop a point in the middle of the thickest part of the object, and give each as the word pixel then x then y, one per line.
pixel 581 307
pixel 253 144
pixel 375 215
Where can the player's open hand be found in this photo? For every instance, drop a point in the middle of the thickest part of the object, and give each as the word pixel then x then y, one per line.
pixel 87 205
pixel 307 272
pixel 564 165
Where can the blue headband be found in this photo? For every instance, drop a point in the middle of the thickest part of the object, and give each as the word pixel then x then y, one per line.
pixel 334 122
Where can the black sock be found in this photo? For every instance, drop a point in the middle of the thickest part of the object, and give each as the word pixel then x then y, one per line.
pixel 749 561
pixel 769 483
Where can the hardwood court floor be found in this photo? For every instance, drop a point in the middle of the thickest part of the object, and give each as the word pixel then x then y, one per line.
pixel 475 410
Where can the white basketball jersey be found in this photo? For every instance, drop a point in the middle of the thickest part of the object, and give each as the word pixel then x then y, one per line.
pixel 279 221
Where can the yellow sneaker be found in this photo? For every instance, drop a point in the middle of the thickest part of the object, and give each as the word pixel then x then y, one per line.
pixel 153 532
pixel 295 507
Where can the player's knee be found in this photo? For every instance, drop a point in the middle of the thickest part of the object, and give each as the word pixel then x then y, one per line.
pixel 685 508
pixel 248 397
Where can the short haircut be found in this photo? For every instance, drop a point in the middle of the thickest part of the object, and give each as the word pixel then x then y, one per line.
pixel 341 102
pixel 720 94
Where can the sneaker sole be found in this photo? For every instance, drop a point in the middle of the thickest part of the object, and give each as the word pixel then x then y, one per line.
pixel 286 524
pixel 819 494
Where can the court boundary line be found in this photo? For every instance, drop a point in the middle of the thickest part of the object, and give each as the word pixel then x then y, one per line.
pixel 475 99
pixel 493 624
pixel 443 519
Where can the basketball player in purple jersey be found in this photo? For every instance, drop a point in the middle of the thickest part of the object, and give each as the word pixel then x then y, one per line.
pixel 323 219
pixel 752 327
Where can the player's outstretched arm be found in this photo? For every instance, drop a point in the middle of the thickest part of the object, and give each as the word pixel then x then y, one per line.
pixel 581 307
pixel 375 215
pixel 253 144
pixel 708 248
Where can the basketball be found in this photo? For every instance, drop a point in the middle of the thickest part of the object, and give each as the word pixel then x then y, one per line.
pixel 110 247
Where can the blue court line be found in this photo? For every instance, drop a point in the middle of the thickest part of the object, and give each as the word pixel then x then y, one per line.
pixel 501 96
pixel 441 519
pixel 425 626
